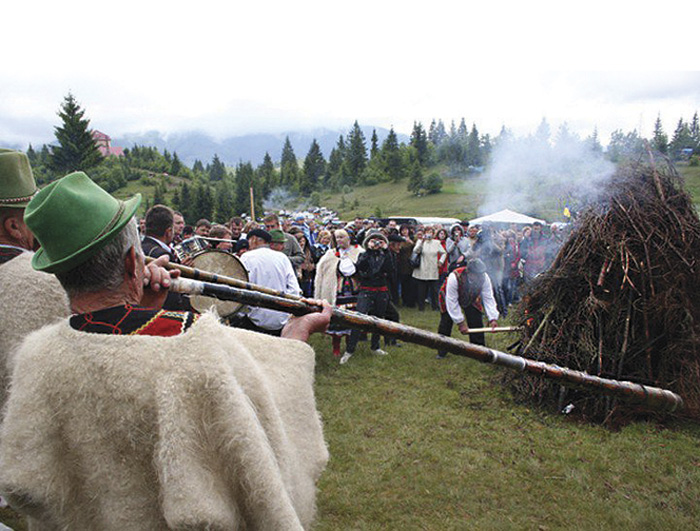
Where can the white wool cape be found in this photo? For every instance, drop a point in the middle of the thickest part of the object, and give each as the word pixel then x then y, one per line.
pixel 326 280
pixel 215 429
pixel 29 300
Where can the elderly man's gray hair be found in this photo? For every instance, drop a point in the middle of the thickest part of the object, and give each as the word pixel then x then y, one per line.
pixel 105 269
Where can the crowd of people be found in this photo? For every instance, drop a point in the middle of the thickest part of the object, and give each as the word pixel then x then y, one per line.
pixel 331 261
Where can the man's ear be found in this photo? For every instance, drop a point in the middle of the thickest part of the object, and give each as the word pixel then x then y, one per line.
pixel 11 226
pixel 131 262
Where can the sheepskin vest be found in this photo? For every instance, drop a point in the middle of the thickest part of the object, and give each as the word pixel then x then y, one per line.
pixel 326 282
pixel 29 300
pixel 216 428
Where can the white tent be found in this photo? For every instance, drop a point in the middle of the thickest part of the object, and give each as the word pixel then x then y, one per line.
pixel 506 216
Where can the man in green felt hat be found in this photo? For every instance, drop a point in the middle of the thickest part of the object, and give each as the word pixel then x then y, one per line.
pixel 126 415
pixel 29 299
pixel 17 187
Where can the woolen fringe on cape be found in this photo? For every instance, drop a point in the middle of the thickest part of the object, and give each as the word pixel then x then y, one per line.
pixel 214 429
pixel 29 299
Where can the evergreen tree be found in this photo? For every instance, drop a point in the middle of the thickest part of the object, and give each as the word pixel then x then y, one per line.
pixel 289 167
pixel 660 139
pixel 159 193
pixel 76 148
pixel 203 201
pixel 267 176
pixel 682 139
pixel 217 169
pixel 335 161
pixel 356 155
pixel 695 133
pixel 391 156
pixel 440 134
pixel 473 151
pixel 175 165
pixel 593 143
pixel 313 170
pixel 374 149
pixel 419 140
pixel 245 180
pixel 198 167
pixel 486 149
pixel 223 203
pixel 623 146
pixel 415 178
pixel 543 132
pixel 185 203
pixel 462 130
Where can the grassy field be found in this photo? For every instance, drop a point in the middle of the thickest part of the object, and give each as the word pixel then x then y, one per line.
pixel 420 443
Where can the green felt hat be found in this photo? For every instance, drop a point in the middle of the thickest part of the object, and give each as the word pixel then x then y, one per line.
pixel 73 218
pixel 17 184
pixel 278 236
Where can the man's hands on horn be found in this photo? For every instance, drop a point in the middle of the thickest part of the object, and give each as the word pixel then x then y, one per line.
pixel 156 282
pixel 301 328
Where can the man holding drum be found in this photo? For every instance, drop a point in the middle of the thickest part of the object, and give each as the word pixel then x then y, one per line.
pixel 129 416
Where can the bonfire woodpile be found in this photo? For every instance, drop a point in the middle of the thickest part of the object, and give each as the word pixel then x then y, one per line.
pixel 622 298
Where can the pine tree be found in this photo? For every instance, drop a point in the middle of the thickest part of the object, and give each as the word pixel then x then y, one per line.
pixel 593 142
pixel 267 176
pixel 245 180
pixel 419 140
pixel 198 167
pixel 462 131
pixel 217 169
pixel 289 167
pixel 335 161
pixel 391 155
pixel 159 193
pixel 223 203
pixel 415 178
pixel 695 133
pixel 682 139
pixel 175 165
pixel 374 149
pixel 203 201
pixel 356 155
pixel 660 139
pixel 185 205
pixel 473 154
pixel 313 170
pixel 76 148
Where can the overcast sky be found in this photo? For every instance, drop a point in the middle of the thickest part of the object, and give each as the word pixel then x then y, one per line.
pixel 231 68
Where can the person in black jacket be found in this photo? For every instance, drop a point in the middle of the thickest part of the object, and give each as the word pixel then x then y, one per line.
pixel 159 236
pixel 374 269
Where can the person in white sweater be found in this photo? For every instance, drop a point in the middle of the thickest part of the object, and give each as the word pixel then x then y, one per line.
pixel 432 255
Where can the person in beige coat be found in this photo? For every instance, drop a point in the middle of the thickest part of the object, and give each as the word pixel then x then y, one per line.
pixel 432 255
pixel 126 416
pixel 29 299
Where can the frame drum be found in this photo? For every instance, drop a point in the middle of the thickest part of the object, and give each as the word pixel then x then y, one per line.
pixel 221 263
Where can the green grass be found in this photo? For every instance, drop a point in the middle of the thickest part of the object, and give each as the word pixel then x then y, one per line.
pixel 420 443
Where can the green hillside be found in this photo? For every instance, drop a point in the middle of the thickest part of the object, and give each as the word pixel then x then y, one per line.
pixel 460 197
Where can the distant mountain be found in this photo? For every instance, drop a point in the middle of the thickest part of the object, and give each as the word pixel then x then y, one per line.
pixel 194 145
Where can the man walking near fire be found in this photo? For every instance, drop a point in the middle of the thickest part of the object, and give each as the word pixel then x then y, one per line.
pixel 467 292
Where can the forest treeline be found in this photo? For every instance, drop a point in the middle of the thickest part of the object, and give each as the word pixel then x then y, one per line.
pixel 214 191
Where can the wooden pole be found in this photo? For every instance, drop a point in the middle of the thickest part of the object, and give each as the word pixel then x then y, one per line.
pixel 651 397
pixel 252 204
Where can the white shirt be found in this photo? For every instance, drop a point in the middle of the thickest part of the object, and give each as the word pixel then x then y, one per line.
pixel 452 299
pixel 271 269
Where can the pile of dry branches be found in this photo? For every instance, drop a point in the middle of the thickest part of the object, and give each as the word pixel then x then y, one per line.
pixel 622 298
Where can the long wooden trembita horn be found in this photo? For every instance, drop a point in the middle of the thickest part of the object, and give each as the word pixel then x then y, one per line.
pixel 651 397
